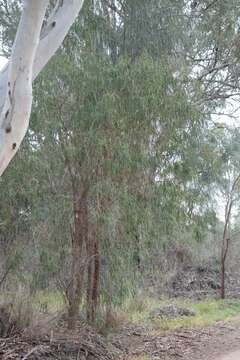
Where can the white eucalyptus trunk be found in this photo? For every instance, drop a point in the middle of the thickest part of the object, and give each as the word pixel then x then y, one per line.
pixel 34 45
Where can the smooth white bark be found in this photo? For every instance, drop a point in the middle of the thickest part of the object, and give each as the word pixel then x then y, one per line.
pixel 17 94
pixel 56 30
pixel 34 46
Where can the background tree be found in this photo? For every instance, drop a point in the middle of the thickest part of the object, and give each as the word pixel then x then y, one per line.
pixel 227 149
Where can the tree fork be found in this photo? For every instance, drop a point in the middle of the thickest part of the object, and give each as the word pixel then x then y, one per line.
pixel 33 47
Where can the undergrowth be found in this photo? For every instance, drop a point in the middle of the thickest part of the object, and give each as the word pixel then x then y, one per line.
pixel 135 310
pixel 208 311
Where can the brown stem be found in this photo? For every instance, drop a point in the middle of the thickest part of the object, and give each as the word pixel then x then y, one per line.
pixel 80 234
pixel 93 276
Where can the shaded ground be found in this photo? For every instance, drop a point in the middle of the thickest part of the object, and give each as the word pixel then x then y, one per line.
pixel 132 342
pixel 82 345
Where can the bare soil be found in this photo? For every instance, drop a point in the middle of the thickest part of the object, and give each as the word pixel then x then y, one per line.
pixel 219 342
pixel 233 356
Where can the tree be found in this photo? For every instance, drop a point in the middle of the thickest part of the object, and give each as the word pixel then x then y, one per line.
pixel 227 182
pixel 96 109
pixel 226 231
pixel 119 154
pixel 37 39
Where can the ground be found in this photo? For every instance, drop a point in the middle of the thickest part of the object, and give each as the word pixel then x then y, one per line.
pixel 232 356
pixel 217 342
pixel 138 333
pixel 211 333
pixel 207 343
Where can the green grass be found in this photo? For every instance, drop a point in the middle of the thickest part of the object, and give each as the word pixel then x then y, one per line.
pixel 49 301
pixel 207 312
pixel 210 311
pixel 138 309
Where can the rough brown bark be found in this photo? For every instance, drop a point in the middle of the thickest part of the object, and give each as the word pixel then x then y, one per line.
pixel 223 262
pixel 90 254
pixel 225 247
pixel 96 277
pixel 79 237
pixel 93 276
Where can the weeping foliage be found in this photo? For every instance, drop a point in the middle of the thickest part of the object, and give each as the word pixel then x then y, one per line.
pixel 123 114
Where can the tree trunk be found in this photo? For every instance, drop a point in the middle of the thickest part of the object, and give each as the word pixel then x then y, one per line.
pixel 80 235
pixel 225 238
pixel 225 248
pixel 17 94
pixel 35 43
pixel 222 290
pixel 93 276
pixel 90 254
pixel 96 277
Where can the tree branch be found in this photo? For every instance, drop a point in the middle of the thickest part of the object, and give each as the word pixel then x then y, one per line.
pixel 17 93
pixel 36 44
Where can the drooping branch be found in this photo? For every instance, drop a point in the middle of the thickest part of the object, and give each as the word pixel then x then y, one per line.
pixel 42 42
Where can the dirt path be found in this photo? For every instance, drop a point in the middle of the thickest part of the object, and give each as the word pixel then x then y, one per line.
pixel 222 344
pixel 210 343
pixel 233 356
